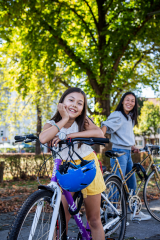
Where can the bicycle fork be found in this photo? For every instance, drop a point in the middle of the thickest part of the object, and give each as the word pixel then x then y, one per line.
pixel 55 203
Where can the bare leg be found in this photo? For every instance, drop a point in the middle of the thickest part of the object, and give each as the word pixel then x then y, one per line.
pixel 92 205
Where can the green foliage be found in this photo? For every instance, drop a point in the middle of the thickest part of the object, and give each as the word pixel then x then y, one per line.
pixel 149 120
pixel 111 46
pixel 140 101
pixel 4 97
pixel 26 87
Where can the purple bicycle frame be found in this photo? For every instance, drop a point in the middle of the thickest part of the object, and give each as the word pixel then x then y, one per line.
pixel 71 204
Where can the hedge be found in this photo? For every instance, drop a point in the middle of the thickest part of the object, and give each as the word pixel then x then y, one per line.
pixel 22 165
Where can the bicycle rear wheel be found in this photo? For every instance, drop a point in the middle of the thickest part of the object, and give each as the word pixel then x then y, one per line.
pixel 151 193
pixel 115 193
pixel 31 224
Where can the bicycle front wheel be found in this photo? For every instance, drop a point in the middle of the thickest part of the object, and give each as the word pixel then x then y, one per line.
pixel 34 218
pixel 116 196
pixel 151 195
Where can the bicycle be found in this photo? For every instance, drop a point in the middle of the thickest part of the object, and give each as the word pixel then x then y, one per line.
pixel 42 215
pixel 149 177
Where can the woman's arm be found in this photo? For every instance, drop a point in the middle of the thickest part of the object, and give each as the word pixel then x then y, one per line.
pixel 49 131
pixel 104 129
pixel 91 131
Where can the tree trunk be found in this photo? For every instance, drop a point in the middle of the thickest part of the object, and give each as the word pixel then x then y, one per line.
pixel 1 171
pixel 105 105
pixel 39 127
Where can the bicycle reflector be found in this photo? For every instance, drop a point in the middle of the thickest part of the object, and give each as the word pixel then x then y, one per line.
pixel 74 178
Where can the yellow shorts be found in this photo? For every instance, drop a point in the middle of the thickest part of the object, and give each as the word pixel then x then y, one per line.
pixel 98 185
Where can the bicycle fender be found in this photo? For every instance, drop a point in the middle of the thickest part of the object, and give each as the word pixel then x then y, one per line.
pixel 44 187
pixel 108 175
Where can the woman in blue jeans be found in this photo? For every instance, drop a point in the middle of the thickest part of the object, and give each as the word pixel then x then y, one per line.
pixel 120 125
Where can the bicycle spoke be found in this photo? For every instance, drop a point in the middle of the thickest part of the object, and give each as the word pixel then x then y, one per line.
pixel 33 223
pixel 152 195
pixel 114 214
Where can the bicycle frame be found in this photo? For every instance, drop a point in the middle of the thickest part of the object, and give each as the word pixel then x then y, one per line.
pixel 56 199
pixel 126 177
pixel 71 204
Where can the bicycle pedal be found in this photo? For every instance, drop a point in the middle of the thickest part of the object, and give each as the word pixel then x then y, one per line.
pixel 136 220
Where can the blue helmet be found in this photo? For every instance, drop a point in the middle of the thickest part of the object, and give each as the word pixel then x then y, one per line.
pixel 76 177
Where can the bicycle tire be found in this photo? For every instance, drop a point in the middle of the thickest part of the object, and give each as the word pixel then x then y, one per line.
pixel 116 231
pixel 151 193
pixel 24 219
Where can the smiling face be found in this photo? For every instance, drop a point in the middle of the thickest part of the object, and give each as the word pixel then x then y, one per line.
pixel 74 103
pixel 128 103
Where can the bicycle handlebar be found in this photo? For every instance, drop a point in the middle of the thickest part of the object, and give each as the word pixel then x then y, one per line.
pixel 30 136
pixel 148 148
pixel 90 140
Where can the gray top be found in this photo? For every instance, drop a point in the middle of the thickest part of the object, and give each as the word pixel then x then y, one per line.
pixel 121 130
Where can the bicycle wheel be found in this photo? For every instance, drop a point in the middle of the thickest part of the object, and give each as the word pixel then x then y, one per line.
pixel 115 194
pixel 33 225
pixel 151 194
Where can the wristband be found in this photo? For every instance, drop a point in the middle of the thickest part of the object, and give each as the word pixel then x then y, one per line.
pixel 57 127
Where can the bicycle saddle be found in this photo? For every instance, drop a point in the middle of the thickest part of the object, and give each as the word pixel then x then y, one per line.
pixel 112 154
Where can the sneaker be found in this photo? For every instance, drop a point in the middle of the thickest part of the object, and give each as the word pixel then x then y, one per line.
pixel 141 216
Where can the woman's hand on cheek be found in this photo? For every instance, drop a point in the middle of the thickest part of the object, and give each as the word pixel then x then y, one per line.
pixel 62 110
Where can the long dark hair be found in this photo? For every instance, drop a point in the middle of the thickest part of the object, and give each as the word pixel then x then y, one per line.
pixel 80 120
pixel 134 111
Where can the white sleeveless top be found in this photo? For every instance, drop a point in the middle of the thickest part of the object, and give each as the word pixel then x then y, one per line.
pixel 83 151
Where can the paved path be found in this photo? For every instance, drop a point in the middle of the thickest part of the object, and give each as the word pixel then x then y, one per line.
pixel 145 230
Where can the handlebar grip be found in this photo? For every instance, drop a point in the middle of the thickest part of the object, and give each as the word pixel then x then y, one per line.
pixel 17 137
pixel 31 136
pixel 27 141
pixel 20 140
pixel 101 140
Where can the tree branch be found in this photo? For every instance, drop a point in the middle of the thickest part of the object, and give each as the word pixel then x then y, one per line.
pixel 62 81
pixel 80 17
pixel 143 55
pixel 90 112
pixel 109 6
pixel 76 59
pixel 117 94
pixel 115 66
pixel 95 21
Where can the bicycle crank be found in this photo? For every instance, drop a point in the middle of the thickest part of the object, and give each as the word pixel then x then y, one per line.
pixel 133 202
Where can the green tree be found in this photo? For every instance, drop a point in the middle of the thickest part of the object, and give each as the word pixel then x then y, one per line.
pixel 33 98
pixel 149 119
pixel 4 97
pixel 140 101
pixel 110 45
